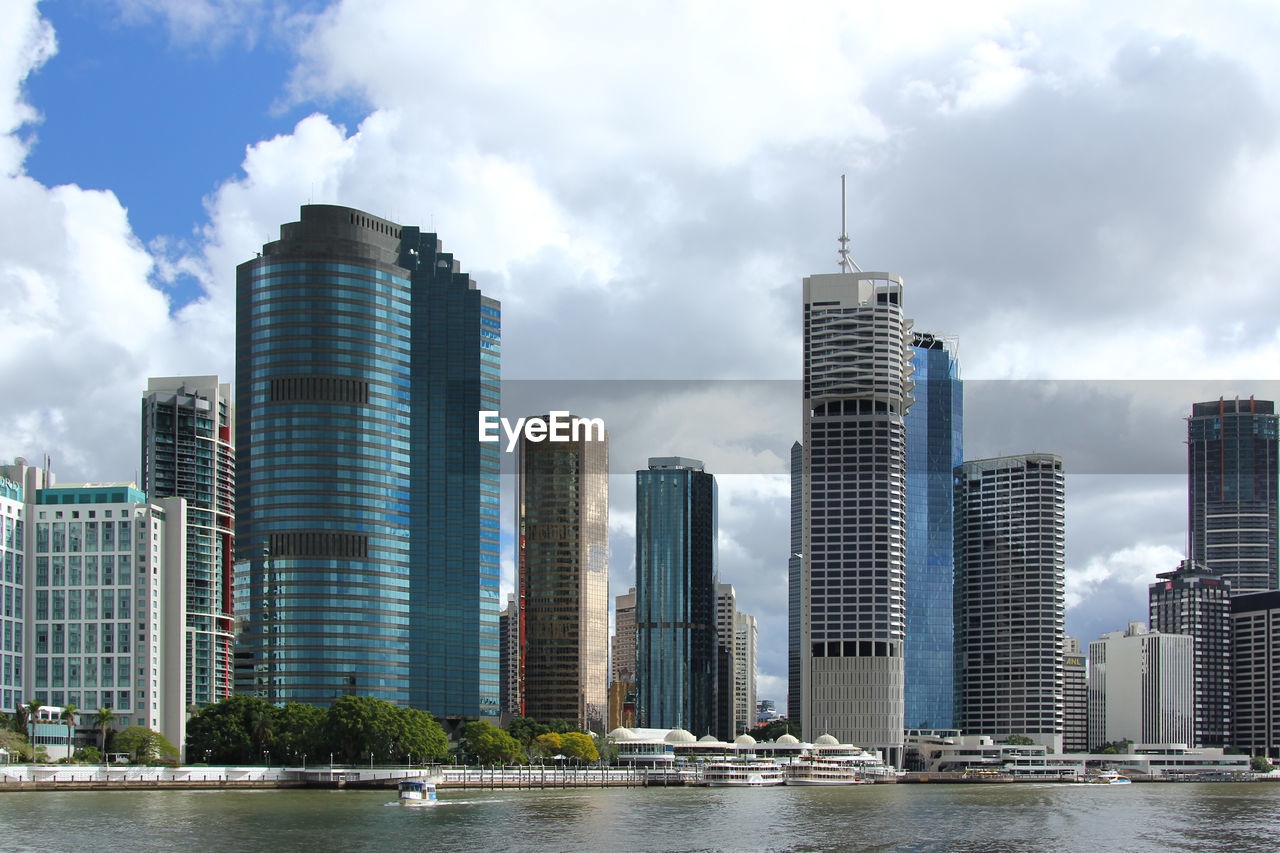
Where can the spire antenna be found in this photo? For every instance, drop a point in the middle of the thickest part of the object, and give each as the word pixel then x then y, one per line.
pixel 846 262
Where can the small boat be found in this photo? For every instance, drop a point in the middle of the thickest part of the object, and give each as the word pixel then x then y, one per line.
pixel 815 770
pixel 742 774
pixel 415 792
pixel 1108 777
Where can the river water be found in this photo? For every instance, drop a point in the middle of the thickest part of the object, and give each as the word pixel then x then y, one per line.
pixel 902 818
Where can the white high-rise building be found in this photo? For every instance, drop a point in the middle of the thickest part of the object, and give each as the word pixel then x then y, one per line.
pixel 1141 687
pixel 744 671
pixel 856 394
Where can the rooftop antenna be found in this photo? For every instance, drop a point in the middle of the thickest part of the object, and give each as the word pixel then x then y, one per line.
pixel 846 262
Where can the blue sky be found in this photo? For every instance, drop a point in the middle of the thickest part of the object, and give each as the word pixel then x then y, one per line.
pixel 1081 193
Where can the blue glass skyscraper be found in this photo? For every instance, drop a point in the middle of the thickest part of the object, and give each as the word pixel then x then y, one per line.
pixel 676 667
pixel 933 452
pixel 367 553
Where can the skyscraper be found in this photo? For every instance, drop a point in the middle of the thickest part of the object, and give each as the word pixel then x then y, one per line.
pixel 795 564
pixel 367 553
pixel 856 396
pixel 1195 601
pixel 1255 639
pixel 1140 687
pixel 676 596
pixel 509 659
pixel 1232 470
pixel 745 640
pixel 562 532
pixel 1075 698
pixel 933 452
pixel 187 453
pixel 622 662
pixel 1009 588
pixel 726 722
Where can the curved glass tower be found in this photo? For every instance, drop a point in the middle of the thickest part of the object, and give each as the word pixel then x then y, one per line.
pixel 367 511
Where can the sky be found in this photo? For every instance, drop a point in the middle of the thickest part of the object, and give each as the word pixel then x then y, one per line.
pixel 1085 194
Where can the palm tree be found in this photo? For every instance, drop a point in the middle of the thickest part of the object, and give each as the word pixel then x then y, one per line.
pixel 33 715
pixel 103 721
pixel 69 717
pixel 261 729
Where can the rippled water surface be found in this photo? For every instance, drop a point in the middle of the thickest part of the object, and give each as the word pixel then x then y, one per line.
pixel 908 818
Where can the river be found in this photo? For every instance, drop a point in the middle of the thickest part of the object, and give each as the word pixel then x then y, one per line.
pixel 1021 818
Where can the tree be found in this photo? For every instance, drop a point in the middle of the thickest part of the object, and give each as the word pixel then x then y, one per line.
pixel 223 733
pixel 775 729
pixel 145 746
pixel 33 715
pixel 1260 764
pixel 298 730
pixel 262 728
pixel 546 745
pixel 606 749
pixel 16 743
pixel 88 755
pixel 360 726
pixel 488 744
pixel 578 745
pixel 1019 740
pixel 526 730
pixel 103 721
pixel 69 717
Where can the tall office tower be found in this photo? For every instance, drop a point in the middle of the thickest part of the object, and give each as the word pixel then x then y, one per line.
pixel 795 564
pixel 107 575
pixel 508 660
pixel 562 531
pixel 622 662
pixel 1141 687
pixel 367 523
pixel 745 639
pixel 727 724
pixel 623 658
pixel 1196 601
pixel 676 596
pixel 853 579
pixel 933 452
pixel 1075 698
pixel 1232 469
pixel 187 453
pixel 1009 588
pixel 16 481
pixel 1255 647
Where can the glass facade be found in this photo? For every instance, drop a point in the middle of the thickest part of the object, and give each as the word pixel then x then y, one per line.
pixel 187 453
pixel 794 565
pixel 934 450
pixel 367 557
pixel 1232 482
pixel 676 638
pixel 562 526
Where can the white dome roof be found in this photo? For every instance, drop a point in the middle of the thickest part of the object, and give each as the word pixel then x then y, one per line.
pixel 708 739
pixel 826 740
pixel 744 740
pixel 680 736
pixel 788 738
pixel 621 733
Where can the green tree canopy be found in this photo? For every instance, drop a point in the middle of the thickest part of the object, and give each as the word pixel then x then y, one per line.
pixel 357 726
pixel 223 733
pixel 299 731
pixel 526 729
pixel 546 744
pixel 1260 764
pixel 578 745
pixel 775 729
pixel 1020 740
pixel 144 746
pixel 17 745
pixel 488 744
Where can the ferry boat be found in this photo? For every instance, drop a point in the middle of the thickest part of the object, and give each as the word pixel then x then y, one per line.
pixel 742 774
pixel 816 770
pixel 1108 777
pixel 415 792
